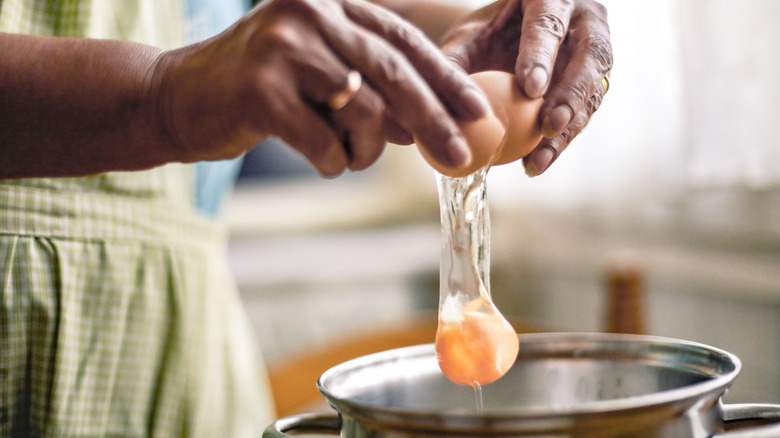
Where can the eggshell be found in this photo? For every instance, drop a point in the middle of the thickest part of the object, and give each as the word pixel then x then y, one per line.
pixel 518 113
pixel 484 138
pixel 506 134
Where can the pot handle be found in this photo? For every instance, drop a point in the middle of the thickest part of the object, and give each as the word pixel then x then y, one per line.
pixel 312 423
pixel 741 412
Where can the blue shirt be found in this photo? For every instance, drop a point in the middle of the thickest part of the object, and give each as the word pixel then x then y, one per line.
pixel 213 179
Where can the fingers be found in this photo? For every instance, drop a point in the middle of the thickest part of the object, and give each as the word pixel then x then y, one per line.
pixel 409 88
pixel 401 76
pixel 549 149
pixel 411 101
pixel 317 142
pixel 303 127
pixel 360 127
pixel 544 28
pixel 574 91
pixel 356 133
pixel 395 132
pixel 577 87
pixel 458 93
pixel 358 119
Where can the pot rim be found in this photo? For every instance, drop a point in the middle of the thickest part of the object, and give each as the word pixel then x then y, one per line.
pixel 716 384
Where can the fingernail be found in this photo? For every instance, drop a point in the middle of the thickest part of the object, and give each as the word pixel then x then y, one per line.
pixel 331 172
pixel 556 121
pixel 458 153
pixel 539 161
pixel 477 105
pixel 535 82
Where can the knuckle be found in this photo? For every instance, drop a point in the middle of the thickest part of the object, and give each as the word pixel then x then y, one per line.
pixel 551 23
pixel 456 77
pixel 567 136
pixel 305 9
pixel 593 104
pixel 281 36
pixel 556 146
pixel 372 109
pixel 600 49
pixel 265 82
pixel 575 127
pixel 365 113
pixel 581 91
pixel 407 34
pixel 458 58
pixel 394 71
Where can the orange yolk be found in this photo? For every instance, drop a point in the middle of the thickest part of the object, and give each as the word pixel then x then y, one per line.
pixel 478 348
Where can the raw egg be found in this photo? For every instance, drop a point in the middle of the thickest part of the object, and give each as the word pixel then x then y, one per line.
pixel 504 135
pixel 475 345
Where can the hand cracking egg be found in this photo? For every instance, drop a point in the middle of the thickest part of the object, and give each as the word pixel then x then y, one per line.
pixel 508 133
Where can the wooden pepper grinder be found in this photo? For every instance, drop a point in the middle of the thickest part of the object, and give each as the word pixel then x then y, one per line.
pixel 625 299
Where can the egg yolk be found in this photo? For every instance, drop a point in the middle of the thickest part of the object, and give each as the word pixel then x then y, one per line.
pixel 478 347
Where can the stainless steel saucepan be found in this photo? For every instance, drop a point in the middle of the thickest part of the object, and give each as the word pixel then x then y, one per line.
pixel 563 385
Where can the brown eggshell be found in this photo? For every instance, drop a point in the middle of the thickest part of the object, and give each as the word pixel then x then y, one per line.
pixel 507 134
pixel 518 113
pixel 484 138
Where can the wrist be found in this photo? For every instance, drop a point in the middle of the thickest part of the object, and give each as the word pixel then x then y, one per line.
pixel 161 114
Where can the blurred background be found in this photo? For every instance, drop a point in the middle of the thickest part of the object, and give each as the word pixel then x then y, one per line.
pixel 676 180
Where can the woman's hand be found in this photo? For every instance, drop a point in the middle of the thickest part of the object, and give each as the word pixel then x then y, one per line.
pixel 559 49
pixel 274 72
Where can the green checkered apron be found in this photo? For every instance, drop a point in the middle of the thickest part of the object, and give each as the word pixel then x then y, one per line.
pixel 118 315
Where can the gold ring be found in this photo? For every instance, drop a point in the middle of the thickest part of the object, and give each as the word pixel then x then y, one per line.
pixel 341 98
pixel 605 84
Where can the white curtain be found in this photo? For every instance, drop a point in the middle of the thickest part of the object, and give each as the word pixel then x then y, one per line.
pixel 694 104
pixel 732 67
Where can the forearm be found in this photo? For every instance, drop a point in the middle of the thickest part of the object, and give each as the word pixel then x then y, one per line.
pixel 77 106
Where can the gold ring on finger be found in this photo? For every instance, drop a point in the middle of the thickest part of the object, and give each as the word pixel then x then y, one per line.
pixel 341 98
